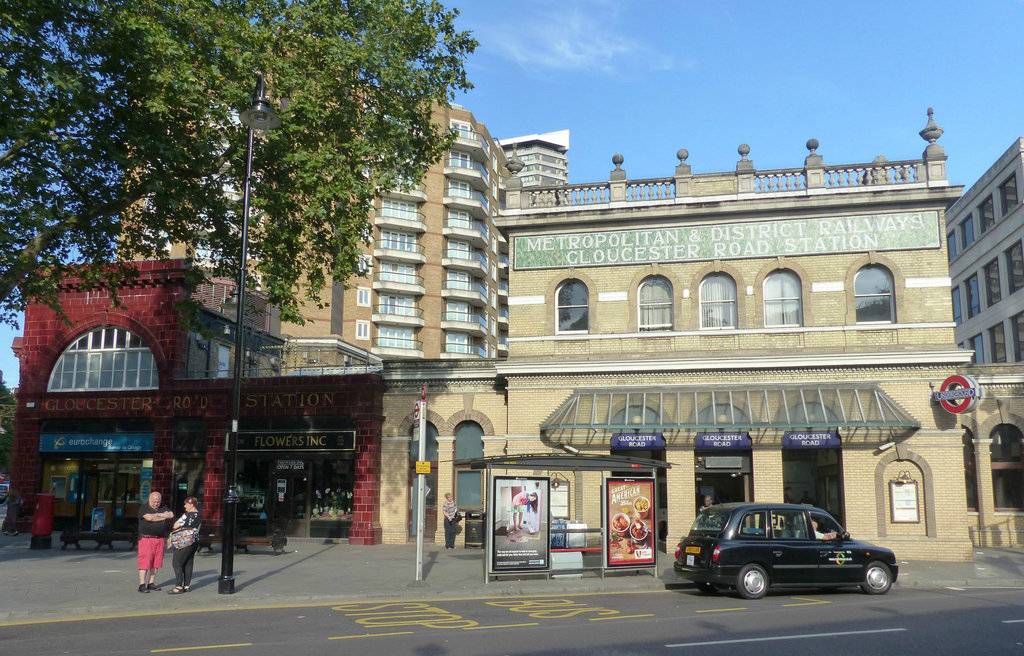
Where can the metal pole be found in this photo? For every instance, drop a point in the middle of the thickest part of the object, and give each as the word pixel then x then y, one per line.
pixel 421 492
pixel 226 583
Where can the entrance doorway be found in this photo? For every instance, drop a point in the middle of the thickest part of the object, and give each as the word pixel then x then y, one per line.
pixel 814 476
pixel 725 476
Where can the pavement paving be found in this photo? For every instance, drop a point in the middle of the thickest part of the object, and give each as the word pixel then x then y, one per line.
pixel 50 584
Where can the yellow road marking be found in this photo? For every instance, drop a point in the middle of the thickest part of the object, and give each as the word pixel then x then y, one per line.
pixel 370 635
pixel 163 651
pixel 236 609
pixel 620 617
pixel 719 610
pixel 807 601
pixel 500 626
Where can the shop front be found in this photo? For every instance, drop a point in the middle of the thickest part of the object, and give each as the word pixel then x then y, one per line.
pixel 97 470
pixel 300 480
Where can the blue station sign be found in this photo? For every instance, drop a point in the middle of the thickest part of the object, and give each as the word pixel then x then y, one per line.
pixel 638 441
pixel 95 442
pixel 722 441
pixel 811 439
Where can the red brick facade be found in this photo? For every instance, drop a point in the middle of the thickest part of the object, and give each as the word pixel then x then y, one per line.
pixel 147 309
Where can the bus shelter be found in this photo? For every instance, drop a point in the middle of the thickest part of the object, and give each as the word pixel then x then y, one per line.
pixel 522 538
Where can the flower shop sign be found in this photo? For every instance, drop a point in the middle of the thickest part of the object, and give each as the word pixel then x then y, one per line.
pixel 812 236
pixel 325 440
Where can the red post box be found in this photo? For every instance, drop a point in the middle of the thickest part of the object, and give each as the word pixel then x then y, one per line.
pixel 42 522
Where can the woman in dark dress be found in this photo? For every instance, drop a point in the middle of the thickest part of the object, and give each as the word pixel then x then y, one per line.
pixel 183 558
pixel 13 510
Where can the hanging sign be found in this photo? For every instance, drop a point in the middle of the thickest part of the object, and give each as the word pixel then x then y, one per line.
pixel 638 441
pixel 722 441
pixel 958 394
pixel 811 439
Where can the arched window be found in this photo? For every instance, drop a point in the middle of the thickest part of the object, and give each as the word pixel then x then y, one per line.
pixel 654 304
pixel 722 414
pixel 469 443
pixel 431 447
pixel 573 307
pixel 782 302
pixel 872 289
pixel 718 301
pixel 105 359
pixel 1007 467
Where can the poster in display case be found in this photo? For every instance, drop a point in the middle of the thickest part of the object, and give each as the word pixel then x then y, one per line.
pixel 519 523
pixel 630 520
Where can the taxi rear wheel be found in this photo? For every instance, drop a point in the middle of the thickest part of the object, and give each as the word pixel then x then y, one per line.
pixel 877 578
pixel 707 588
pixel 752 582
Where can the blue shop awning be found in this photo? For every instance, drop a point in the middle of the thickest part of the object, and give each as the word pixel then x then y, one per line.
pixel 731 409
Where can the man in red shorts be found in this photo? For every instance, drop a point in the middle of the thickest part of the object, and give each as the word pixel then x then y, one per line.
pixel 153 518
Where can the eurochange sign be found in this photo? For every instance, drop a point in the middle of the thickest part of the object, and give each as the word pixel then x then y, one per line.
pixel 96 442
pixel 787 237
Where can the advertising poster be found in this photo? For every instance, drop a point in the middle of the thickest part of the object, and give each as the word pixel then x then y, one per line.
pixel 630 518
pixel 520 523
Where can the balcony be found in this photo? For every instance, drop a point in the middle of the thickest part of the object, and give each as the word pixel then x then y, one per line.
pixel 389 281
pixel 398 347
pixel 474 232
pixel 465 323
pixel 475 263
pixel 398 315
pixel 503 317
pixel 472 142
pixel 473 202
pixel 414 223
pixel 416 194
pixel 459 351
pixel 470 292
pixel 503 289
pixel 472 172
pixel 399 252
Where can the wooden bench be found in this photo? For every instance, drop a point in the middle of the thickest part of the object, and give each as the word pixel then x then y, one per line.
pixel 242 543
pixel 99 537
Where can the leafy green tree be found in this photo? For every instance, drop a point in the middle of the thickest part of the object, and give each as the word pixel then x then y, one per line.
pixel 119 135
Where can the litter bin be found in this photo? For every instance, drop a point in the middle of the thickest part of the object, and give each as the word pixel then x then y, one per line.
pixel 474 527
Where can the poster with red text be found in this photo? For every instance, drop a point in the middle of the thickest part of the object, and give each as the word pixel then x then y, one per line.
pixel 629 516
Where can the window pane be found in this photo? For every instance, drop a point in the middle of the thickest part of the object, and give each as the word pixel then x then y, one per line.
pixel 655 304
pixel 956 306
pixel 997 338
pixel 1014 257
pixel 873 295
pixel 1007 489
pixel 468 489
pixel 993 294
pixel 782 302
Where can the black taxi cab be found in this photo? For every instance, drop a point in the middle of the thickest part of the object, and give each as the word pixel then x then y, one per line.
pixel 752 547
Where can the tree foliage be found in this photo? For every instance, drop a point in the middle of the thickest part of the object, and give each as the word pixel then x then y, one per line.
pixel 119 134
pixel 6 424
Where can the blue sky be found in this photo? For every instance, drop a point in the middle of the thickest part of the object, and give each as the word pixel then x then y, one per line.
pixel 647 78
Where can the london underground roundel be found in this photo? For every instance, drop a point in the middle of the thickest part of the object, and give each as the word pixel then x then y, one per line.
pixel 958 394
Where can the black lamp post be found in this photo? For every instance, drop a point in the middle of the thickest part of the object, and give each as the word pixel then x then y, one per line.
pixel 260 116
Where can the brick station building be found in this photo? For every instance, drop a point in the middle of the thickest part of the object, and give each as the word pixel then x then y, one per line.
pixel 123 400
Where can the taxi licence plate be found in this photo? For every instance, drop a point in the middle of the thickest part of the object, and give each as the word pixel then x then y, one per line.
pixel 694 549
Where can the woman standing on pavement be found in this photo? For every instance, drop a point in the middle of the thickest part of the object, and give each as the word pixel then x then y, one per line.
pixel 183 559
pixel 449 509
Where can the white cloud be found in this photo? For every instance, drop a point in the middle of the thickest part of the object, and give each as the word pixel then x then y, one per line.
pixel 568 35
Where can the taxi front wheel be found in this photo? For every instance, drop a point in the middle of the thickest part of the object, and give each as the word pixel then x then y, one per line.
pixel 877 578
pixel 752 582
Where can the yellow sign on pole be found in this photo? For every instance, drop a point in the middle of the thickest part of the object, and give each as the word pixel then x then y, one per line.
pixel 422 466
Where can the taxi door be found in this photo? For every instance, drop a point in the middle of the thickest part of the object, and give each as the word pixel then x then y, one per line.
pixel 794 551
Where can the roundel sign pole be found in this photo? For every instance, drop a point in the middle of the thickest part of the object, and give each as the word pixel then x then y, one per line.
pixel 958 394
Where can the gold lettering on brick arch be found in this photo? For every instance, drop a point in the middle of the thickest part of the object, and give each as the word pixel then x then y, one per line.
pixel 100 404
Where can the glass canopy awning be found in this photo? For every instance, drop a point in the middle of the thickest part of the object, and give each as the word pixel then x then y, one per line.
pixel 798 407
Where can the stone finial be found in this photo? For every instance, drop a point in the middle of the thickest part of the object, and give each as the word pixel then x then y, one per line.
pixel 514 164
pixel 682 173
pixel 812 145
pixel 881 159
pixel 743 150
pixel 617 160
pixel 814 166
pixel 745 165
pixel 931 131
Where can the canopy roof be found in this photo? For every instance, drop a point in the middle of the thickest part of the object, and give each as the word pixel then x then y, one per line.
pixel 795 407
